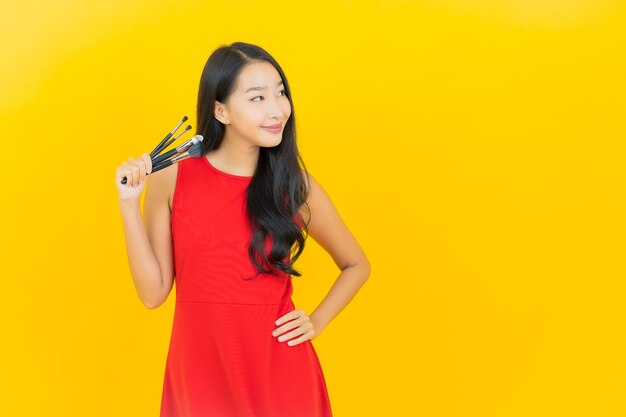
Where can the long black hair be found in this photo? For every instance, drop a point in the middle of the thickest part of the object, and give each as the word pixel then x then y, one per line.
pixel 279 187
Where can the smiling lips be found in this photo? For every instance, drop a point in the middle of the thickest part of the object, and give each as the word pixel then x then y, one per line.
pixel 275 128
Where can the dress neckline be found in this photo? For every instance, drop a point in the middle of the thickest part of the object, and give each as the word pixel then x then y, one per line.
pixel 226 174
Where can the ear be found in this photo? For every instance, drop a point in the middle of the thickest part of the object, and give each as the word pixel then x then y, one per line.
pixel 220 112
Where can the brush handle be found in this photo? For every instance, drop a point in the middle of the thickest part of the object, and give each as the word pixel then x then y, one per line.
pixel 158 163
pixel 163 157
pixel 162 165
pixel 155 168
pixel 175 159
pixel 158 148
pixel 124 181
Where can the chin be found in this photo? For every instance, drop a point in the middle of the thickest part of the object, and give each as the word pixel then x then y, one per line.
pixel 269 144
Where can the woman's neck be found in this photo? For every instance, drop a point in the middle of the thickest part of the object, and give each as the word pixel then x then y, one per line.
pixel 234 158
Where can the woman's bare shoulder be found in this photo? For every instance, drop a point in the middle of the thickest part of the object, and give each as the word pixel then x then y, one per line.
pixel 310 183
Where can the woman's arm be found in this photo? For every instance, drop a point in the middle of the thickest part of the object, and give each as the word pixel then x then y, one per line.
pixel 148 239
pixel 328 229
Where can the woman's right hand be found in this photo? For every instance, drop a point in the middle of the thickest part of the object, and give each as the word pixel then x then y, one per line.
pixel 135 171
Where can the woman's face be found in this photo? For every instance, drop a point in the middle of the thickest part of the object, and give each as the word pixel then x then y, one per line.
pixel 259 99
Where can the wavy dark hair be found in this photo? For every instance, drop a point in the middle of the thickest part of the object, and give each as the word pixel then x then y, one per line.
pixel 279 187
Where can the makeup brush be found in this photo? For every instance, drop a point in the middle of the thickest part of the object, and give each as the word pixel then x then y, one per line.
pixel 158 149
pixel 194 152
pixel 180 149
pixel 161 147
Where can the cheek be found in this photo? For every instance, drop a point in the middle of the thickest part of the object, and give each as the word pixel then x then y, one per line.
pixel 252 119
pixel 286 108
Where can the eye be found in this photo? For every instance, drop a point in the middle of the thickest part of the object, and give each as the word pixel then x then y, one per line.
pixel 282 91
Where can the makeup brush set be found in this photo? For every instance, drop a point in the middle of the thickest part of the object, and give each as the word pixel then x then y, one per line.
pixel 190 149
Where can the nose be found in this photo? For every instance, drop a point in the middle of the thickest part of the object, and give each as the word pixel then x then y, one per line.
pixel 274 110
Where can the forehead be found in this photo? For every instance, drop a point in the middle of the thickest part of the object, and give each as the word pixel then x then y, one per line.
pixel 258 74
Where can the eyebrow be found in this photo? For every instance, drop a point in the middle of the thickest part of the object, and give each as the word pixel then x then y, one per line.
pixel 262 88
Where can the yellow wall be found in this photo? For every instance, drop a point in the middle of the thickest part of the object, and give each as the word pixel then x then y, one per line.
pixel 475 149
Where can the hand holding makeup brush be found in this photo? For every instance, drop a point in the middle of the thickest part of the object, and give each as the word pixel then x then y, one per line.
pixel 188 149
pixel 130 176
pixel 135 171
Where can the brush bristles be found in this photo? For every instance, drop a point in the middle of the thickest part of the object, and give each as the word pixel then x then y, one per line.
pixel 196 150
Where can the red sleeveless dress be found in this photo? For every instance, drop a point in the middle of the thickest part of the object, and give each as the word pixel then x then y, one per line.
pixel 223 360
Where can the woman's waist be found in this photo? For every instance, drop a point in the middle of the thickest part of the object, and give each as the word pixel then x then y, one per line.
pixel 218 301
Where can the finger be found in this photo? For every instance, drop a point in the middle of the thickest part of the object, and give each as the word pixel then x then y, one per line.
pixel 282 329
pixel 120 172
pixel 296 332
pixel 306 336
pixel 135 175
pixel 141 163
pixel 146 157
pixel 291 315
pixel 130 173
pixel 290 325
pixel 136 172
